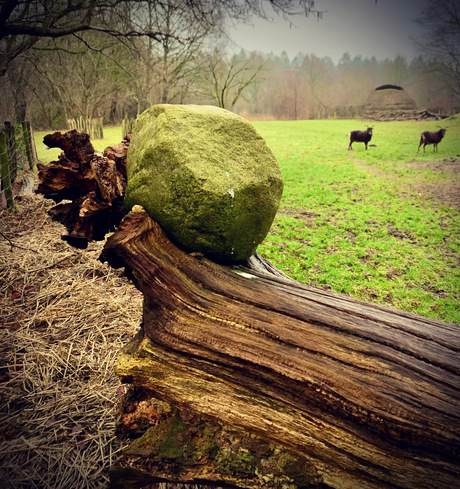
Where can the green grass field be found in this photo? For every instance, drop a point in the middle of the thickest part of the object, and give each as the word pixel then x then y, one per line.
pixel 382 225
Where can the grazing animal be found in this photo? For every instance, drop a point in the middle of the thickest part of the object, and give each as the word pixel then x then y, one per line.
pixel 360 137
pixel 431 137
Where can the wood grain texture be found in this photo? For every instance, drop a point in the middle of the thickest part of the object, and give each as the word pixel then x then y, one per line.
pixel 367 394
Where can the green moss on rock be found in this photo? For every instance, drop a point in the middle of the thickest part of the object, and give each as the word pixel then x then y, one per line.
pixel 206 176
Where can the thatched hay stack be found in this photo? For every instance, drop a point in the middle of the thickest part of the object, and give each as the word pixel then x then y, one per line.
pixel 389 98
pixel 391 102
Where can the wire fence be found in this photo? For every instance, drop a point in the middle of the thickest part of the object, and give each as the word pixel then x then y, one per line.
pixel 17 152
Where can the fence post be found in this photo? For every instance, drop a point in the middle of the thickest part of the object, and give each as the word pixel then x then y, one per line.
pixel 6 176
pixel 28 143
pixel 12 150
pixel 127 125
pixel 32 143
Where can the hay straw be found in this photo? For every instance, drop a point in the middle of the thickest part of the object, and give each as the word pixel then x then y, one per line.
pixel 64 317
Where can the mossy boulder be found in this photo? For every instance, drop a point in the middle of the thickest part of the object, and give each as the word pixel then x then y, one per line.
pixel 206 176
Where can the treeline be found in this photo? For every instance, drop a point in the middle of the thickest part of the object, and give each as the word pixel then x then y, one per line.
pixel 309 87
pixel 67 79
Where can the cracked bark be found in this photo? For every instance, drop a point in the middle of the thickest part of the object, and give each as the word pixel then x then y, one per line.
pixel 352 394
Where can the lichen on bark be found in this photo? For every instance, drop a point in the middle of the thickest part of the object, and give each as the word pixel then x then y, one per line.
pixel 198 449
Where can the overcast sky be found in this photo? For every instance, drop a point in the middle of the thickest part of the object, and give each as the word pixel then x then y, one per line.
pixel 359 27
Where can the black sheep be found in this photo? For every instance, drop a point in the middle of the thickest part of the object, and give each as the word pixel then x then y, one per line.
pixel 360 137
pixel 431 137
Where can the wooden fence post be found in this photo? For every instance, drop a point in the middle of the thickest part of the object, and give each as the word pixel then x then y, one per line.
pixel 6 173
pixel 93 127
pixel 32 143
pixel 127 125
pixel 28 143
pixel 12 150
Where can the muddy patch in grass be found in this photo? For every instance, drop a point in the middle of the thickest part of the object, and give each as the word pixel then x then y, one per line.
pixel 447 190
pixel 444 189
pixel 298 213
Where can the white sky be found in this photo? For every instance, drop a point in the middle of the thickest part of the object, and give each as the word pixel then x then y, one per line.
pixel 360 27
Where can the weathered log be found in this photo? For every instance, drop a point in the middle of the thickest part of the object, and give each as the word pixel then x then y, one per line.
pixel 351 394
pixel 94 183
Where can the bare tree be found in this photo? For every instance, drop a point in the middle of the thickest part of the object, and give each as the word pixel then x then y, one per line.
pixel 31 26
pixel 440 41
pixel 176 59
pixel 316 74
pixel 85 84
pixel 227 79
pixel 23 23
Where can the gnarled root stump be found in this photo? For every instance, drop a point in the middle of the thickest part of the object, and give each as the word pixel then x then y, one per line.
pixel 255 381
pixel 94 183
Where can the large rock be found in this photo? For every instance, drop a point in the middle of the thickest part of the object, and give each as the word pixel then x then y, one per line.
pixel 206 176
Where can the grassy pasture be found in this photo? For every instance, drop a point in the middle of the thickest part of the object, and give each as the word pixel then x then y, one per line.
pixel 382 225
pixel 365 223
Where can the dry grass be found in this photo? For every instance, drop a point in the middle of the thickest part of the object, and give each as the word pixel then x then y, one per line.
pixel 64 316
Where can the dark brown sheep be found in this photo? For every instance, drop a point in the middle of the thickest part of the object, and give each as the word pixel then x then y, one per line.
pixel 431 137
pixel 360 137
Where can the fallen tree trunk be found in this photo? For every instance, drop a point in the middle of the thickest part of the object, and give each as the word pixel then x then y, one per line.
pixel 93 182
pixel 245 378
